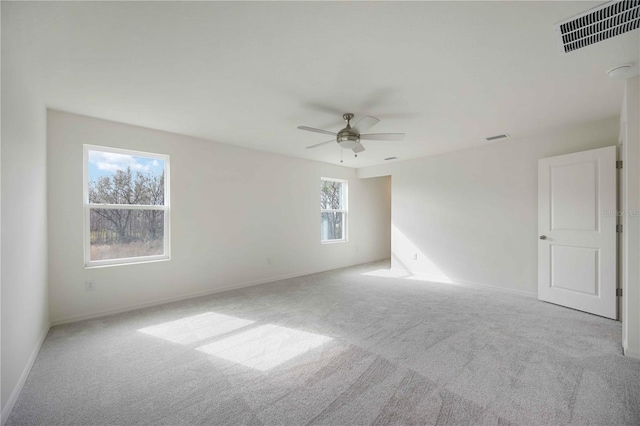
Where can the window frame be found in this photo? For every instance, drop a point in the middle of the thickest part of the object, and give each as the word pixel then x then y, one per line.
pixel 166 208
pixel 343 210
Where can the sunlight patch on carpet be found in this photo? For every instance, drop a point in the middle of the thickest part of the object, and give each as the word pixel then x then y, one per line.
pixel 400 274
pixel 195 328
pixel 265 347
pixel 387 273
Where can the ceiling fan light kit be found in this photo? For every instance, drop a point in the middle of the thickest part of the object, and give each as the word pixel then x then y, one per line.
pixel 349 137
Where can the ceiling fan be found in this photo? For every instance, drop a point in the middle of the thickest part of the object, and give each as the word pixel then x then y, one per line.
pixel 350 136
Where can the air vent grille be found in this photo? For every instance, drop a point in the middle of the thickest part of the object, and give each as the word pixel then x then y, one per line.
pixel 600 23
pixel 493 138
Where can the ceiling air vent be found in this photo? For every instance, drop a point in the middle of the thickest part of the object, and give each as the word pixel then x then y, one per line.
pixel 600 23
pixel 496 137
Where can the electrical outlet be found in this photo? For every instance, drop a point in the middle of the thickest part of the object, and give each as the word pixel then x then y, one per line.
pixel 89 286
pixel 414 256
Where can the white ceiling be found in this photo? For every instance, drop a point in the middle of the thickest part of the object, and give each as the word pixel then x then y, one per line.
pixel 446 74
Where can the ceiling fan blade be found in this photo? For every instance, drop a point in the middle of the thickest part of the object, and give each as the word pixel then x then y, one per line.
pixel 320 144
pixel 365 123
pixel 383 137
pixel 311 129
pixel 358 148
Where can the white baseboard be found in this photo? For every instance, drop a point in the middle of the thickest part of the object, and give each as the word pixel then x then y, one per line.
pixel 439 279
pixel 630 354
pixel 6 411
pixel 163 301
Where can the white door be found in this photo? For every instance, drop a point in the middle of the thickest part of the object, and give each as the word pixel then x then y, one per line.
pixel 577 231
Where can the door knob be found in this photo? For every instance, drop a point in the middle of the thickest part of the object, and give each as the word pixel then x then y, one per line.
pixel 543 237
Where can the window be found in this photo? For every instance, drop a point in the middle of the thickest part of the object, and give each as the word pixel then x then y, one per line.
pixel 333 210
pixel 126 203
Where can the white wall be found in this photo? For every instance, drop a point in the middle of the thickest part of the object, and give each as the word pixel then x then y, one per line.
pixel 25 316
pixel 629 133
pixel 374 233
pixel 1 402
pixel 231 209
pixel 471 215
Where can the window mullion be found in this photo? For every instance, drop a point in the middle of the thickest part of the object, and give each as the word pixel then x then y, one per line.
pixel 127 206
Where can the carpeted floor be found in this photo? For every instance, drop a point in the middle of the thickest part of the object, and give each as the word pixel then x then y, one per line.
pixel 345 347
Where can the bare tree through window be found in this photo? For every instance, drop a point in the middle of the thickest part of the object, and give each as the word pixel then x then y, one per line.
pixel 332 210
pixel 126 202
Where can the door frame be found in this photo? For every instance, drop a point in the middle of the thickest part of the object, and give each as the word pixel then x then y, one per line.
pixel 629 181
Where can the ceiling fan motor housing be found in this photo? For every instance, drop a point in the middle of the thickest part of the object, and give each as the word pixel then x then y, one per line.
pixel 347 138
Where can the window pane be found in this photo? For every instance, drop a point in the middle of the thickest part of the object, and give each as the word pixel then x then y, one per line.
pixel 331 226
pixel 125 179
pixel 120 233
pixel 331 194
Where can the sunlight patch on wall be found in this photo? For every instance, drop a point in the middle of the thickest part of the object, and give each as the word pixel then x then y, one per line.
pixel 265 347
pixel 195 328
pixel 407 257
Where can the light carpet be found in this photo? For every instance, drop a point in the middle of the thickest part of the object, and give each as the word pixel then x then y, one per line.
pixel 345 347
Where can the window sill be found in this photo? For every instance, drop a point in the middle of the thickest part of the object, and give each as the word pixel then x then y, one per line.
pixel 126 262
pixel 334 241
